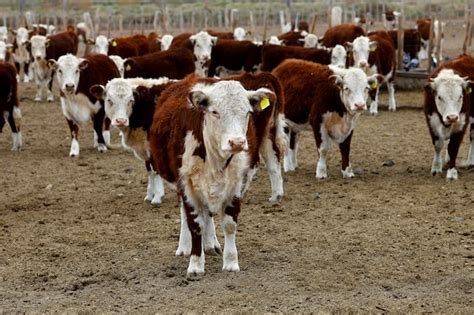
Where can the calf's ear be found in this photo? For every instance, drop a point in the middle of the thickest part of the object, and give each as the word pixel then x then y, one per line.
pixel 140 92
pixel 198 100
pixel 337 80
pixel 84 64
pixel 52 64
pixel 98 91
pixel 90 41
pixel 375 80
pixel 260 99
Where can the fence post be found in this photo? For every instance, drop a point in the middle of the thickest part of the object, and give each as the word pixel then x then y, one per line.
pixel 400 39
pixel 430 45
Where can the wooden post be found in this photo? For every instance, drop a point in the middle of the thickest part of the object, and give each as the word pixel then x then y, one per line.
pixel 97 20
pixel 400 39
pixel 466 34
pixel 430 46
pixel 471 20
pixel 265 20
pixel 438 42
pixel 313 23
pixel 181 21
pixel 120 23
pixel 329 13
pixel 109 18
pixel 252 25
pixel 193 21
pixel 142 19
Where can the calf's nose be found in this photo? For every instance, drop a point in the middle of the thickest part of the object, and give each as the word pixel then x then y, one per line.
pixel 452 118
pixel 360 106
pixel 237 144
pixel 121 122
pixel 69 86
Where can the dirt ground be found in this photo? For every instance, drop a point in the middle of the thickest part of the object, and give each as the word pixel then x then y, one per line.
pixel 75 234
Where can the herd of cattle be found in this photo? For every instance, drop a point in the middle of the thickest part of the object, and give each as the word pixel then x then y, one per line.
pixel 184 107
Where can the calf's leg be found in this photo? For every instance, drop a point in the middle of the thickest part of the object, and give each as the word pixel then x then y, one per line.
pixel 74 129
pixel 453 149
pixel 345 148
pixel 229 226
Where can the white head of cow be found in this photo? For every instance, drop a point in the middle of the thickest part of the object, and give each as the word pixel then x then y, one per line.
pixel 361 48
pixel 165 41
pixel 3 33
pixel 4 49
pixel 68 69
pixel 354 87
pixel 310 41
pixel 239 33
pixel 338 56
pixel 227 107
pixel 448 91
pixel 119 62
pixel 101 45
pixel 21 35
pixel 119 100
pixel 203 43
pixel 38 47
pixel 275 41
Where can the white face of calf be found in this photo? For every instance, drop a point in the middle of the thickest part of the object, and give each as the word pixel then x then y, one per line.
pixel 166 41
pixel 354 85
pixel 4 49
pixel 101 45
pixel 203 43
pixel 38 47
pixel 361 48
pixel 21 36
pixel 275 41
pixel 227 107
pixel 239 33
pixel 119 62
pixel 448 90
pixel 310 41
pixel 68 69
pixel 3 33
pixel 118 98
pixel 338 56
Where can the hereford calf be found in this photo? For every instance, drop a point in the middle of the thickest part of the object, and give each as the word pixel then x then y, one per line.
pixel 6 52
pixel 448 106
pixel 21 55
pixel 127 46
pixel 130 104
pixel 165 42
pixel 273 55
pixel 174 64
pixel 75 77
pixel 235 56
pixel 292 38
pixel 341 34
pixel 9 110
pixel 45 48
pixel 327 98
pixel 272 140
pixel 202 140
pixel 376 54
pixel 120 63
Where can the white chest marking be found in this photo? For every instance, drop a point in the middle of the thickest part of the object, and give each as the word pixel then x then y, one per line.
pixel 77 107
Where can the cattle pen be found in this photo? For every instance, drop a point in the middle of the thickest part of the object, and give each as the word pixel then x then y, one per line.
pixel 130 223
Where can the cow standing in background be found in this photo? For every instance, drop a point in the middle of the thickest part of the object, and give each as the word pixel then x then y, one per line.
pixel 45 48
pixel 328 99
pixel 75 77
pixel 341 34
pixel 21 54
pixel 130 105
pixel 449 110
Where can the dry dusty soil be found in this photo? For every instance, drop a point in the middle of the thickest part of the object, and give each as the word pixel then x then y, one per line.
pixel 76 235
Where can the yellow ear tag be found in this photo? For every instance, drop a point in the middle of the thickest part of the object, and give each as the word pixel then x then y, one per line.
pixel 264 103
pixel 373 85
pixel 128 68
pixel 10 49
pixel 373 48
pixel 114 43
pixel 468 90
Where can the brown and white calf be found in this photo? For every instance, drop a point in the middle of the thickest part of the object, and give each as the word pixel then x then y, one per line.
pixel 328 99
pixel 235 56
pixel 202 140
pixel 21 55
pixel 448 108
pixel 9 110
pixel 75 77
pixel 130 105
pixel 127 46
pixel 174 64
pixel 376 54
pixel 272 138
pixel 45 48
